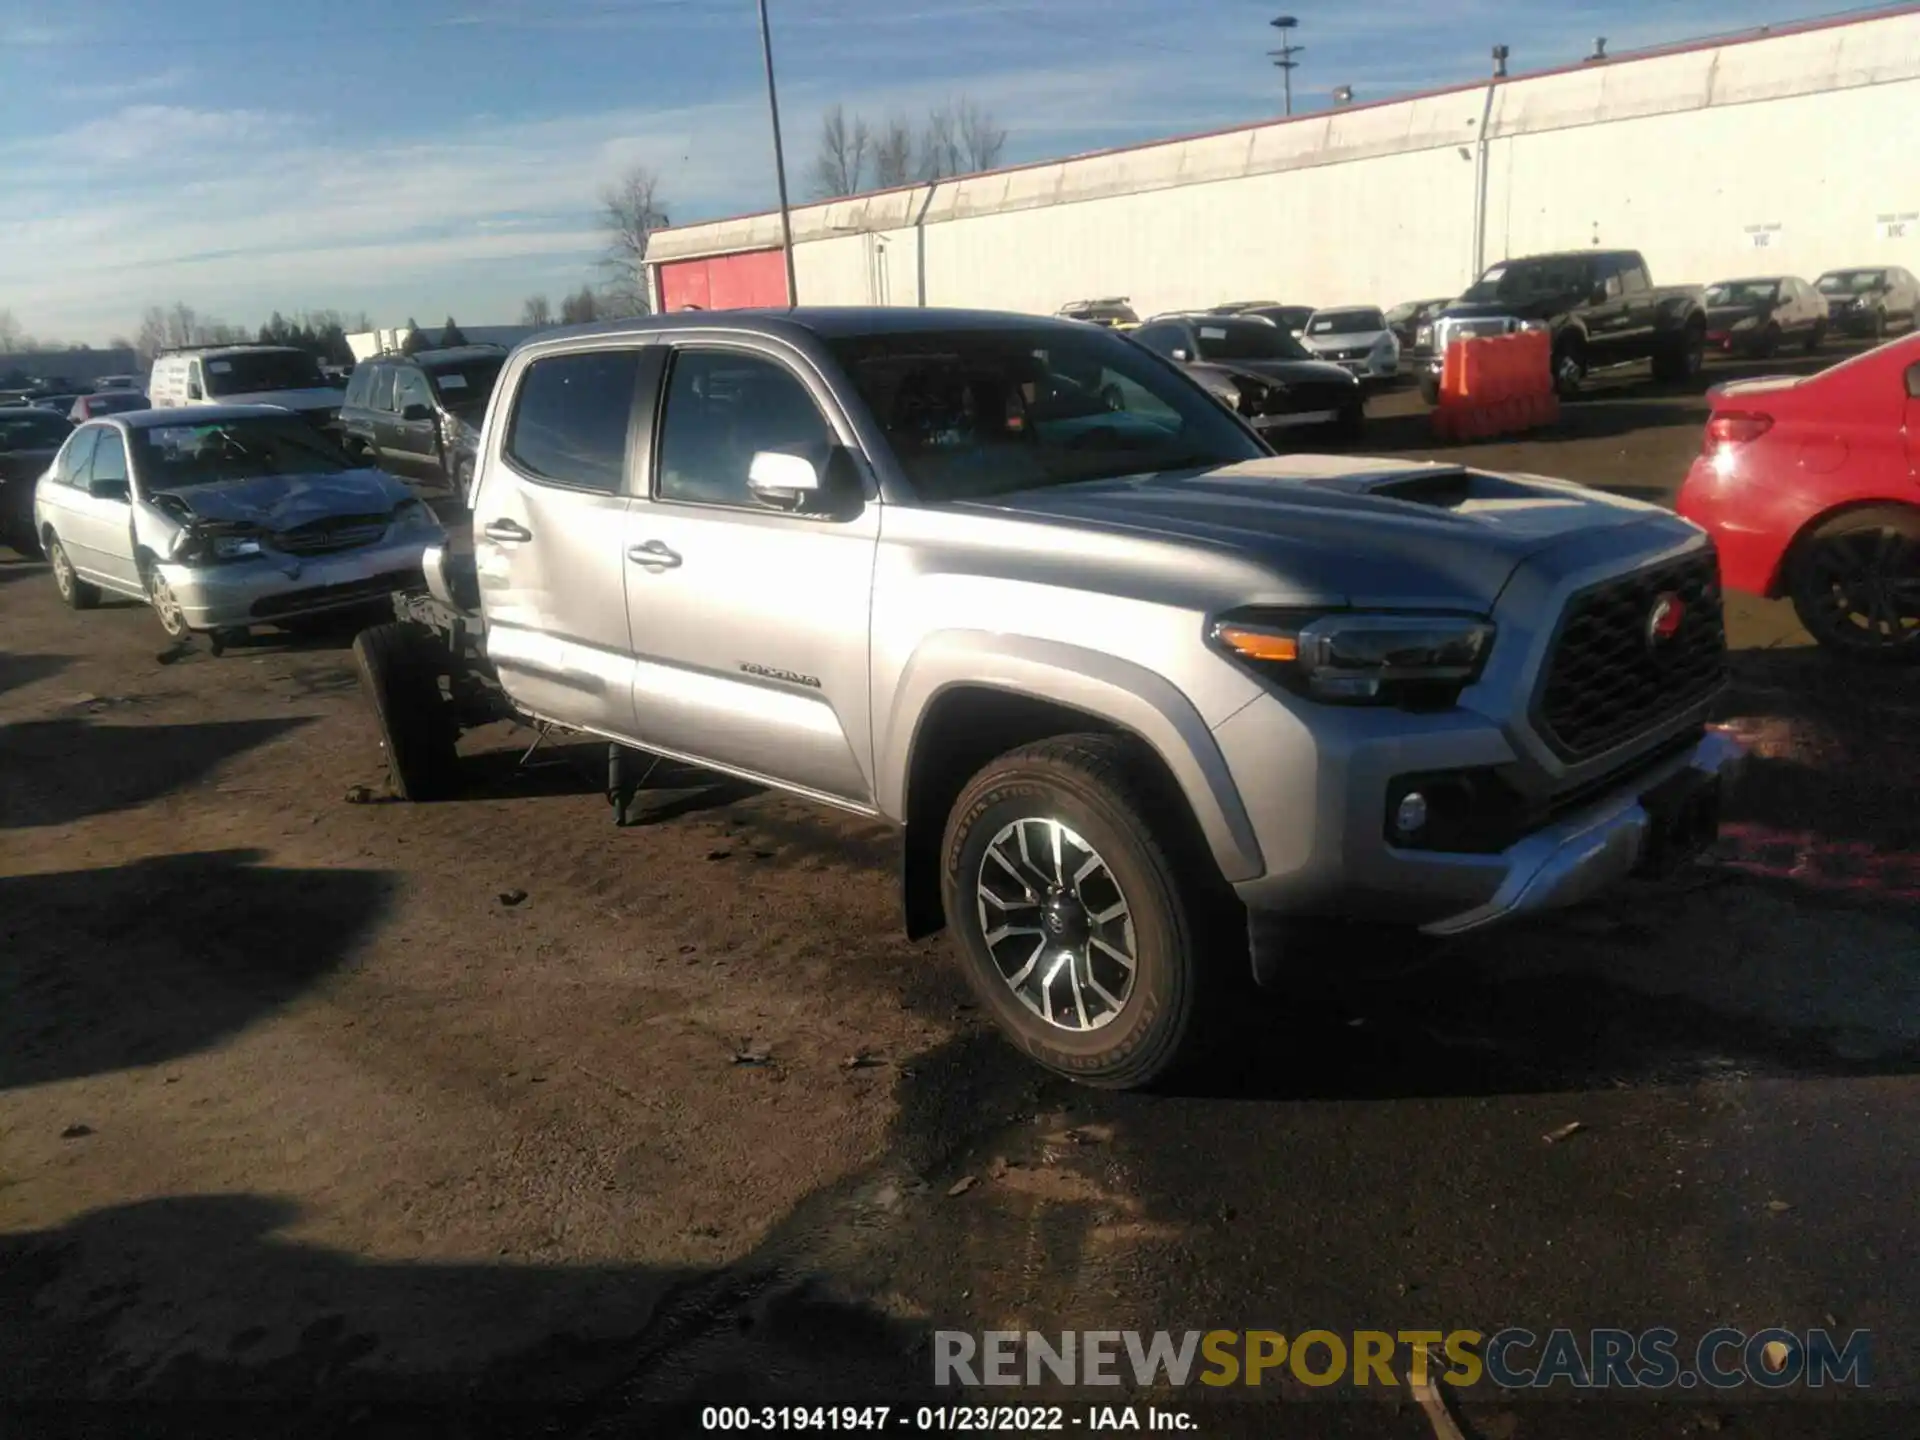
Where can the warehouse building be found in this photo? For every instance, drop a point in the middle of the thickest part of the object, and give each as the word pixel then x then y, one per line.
pixel 1782 150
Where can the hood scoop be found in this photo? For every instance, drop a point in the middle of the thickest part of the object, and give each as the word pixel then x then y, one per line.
pixel 1442 487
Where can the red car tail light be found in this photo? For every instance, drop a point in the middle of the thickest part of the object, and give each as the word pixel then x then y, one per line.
pixel 1734 427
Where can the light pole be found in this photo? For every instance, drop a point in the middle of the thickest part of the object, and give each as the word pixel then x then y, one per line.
pixel 1283 57
pixel 779 156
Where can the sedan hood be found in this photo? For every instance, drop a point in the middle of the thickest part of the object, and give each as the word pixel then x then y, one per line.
pixel 1353 531
pixel 1290 372
pixel 282 502
pixel 1725 317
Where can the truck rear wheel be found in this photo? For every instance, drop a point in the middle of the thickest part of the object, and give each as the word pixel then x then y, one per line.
pixel 1680 360
pixel 400 665
pixel 1080 923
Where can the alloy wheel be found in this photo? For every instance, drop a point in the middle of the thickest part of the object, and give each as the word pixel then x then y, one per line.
pixel 1866 584
pixel 160 595
pixel 1057 924
pixel 62 569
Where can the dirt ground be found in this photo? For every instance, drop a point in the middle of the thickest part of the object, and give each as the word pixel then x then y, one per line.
pixel 324 1114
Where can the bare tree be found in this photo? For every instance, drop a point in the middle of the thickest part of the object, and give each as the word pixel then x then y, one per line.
pixel 939 145
pixel 536 313
pixel 631 209
pixel 979 139
pixel 10 333
pixel 893 154
pixel 840 161
pixel 580 307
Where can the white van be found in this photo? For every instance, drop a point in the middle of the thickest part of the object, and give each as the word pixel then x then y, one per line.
pixel 243 375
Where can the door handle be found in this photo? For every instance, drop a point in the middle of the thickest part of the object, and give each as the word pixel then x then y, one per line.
pixel 653 555
pixel 507 532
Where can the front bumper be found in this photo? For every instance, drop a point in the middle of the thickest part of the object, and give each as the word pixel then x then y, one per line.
pixel 272 588
pixel 1850 321
pixel 1320 815
pixel 1591 852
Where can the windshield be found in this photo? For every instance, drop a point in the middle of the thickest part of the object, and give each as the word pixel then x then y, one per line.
pixel 24 429
pixel 1248 340
pixel 1345 322
pixel 464 387
pixel 1851 282
pixel 175 457
pixel 115 402
pixel 247 372
pixel 1539 280
pixel 1743 292
pixel 972 413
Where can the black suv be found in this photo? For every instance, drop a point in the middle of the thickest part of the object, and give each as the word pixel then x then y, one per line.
pixel 418 416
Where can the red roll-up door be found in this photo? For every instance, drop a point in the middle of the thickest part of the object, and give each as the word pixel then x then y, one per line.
pixel 751 279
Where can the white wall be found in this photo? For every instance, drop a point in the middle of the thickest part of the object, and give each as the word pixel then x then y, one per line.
pixel 1677 154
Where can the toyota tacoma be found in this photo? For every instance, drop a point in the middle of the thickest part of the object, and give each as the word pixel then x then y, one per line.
pixel 1152 707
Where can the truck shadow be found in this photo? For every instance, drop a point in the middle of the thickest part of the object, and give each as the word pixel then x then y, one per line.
pixel 152 961
pixel 54 772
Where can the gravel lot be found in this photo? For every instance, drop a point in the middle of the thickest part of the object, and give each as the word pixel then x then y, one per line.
pixel 320 1113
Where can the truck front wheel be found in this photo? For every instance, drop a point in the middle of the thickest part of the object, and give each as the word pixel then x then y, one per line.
pixel 1569 367
pixel 400 664
pixel 1079 922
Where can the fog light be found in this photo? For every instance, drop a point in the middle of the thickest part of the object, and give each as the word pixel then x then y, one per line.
pixel 1410 815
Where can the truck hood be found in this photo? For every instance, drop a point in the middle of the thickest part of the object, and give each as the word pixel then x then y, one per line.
pixel 1347 531
pixel 282 502
pixel 1535 309
pixel 325 398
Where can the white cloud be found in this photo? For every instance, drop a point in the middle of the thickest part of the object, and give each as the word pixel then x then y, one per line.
pixel 119 92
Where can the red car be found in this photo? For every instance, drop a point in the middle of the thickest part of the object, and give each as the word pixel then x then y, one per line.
pixel 1811 489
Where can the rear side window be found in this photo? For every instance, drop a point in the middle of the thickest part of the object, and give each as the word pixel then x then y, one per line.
pixel 571 418
pixel 78 455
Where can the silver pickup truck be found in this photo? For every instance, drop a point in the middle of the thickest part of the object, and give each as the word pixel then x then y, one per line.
pixel 1151 705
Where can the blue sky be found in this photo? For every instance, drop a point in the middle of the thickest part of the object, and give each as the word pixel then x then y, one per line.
pixel 421 157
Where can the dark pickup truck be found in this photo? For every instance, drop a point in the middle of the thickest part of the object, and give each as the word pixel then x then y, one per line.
pixel 1600 306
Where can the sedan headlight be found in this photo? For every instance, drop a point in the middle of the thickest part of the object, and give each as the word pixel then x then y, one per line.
pixel 1354 658
pixel 194 546
pixel 1746 323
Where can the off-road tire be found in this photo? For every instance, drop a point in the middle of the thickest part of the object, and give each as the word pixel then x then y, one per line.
pixel 1186 919
pixel 1569 368
pixel 78 594
pixel 400 664
pixel 1429 387
pixel 1811 576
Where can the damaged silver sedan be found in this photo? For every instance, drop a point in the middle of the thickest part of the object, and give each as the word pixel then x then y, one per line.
pixel 225 517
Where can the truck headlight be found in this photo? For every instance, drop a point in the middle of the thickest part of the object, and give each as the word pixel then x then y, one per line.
pixel 1533 325
pixel 1423 336
pixel 1351 658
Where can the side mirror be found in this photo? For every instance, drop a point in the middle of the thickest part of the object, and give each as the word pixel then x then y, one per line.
pixel 194 392
pixel 110 490
pixel 1181 355
pixel 417 411
pixel 795 484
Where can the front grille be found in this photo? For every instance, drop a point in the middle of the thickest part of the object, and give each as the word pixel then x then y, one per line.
pixel 1350 352
pixel 1607 681
pixel 323 597
pixel 1313 395
pixel 339 532
pixel 1448 331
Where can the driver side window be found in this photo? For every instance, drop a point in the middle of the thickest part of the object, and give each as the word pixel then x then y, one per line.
pixel 109 459
pixel 383 390
pixel 723 408
pixel 410 388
